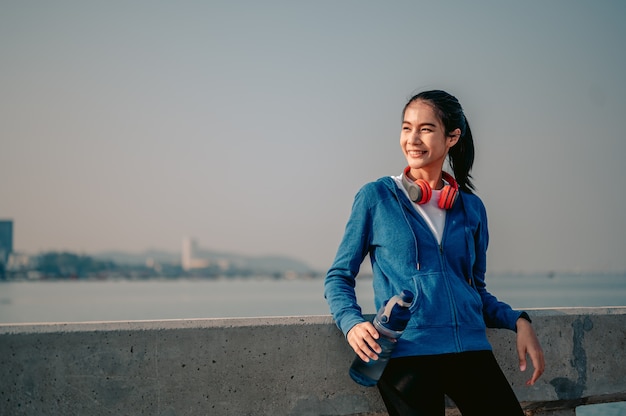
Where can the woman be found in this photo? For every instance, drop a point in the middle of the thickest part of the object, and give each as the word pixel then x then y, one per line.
pixel 426 231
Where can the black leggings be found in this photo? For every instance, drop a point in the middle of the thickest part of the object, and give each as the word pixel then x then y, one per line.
pixel 416 386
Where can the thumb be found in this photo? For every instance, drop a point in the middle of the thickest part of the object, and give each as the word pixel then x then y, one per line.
pixel 522 362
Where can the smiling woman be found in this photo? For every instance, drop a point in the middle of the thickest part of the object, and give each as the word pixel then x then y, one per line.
pixel 426 231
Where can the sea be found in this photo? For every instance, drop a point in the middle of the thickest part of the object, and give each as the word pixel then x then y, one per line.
pixel 188 298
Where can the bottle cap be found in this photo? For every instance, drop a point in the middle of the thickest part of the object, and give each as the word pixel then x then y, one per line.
pixel 407 297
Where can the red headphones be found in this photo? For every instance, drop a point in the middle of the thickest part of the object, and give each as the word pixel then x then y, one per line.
pixel 420 192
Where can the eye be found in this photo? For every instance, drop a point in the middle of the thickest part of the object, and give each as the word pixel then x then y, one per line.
pixel 426 129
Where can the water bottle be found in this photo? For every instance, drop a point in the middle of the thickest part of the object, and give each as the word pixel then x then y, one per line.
pixel 390 322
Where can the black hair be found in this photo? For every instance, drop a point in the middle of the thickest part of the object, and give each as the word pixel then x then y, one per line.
pixel 449 110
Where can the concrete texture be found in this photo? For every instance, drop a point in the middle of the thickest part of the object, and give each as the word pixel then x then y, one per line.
pixel 271 366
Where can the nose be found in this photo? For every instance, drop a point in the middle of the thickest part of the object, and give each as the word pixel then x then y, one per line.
pixel 414 138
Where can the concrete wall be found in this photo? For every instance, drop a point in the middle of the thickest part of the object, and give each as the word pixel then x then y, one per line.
pixel 270 366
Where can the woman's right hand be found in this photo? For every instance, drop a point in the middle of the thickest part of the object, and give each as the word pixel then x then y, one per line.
pixel 362 338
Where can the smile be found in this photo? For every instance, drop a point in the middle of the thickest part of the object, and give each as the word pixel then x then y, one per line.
pixel 416 153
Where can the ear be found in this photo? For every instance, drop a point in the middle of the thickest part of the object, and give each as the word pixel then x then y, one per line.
pixel 454 137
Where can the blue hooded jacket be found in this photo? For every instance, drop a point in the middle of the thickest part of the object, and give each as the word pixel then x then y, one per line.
pixel 452 306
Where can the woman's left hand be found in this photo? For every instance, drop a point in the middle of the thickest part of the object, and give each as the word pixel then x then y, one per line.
pixel 528 344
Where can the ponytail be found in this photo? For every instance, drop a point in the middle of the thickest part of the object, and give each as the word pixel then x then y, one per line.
pixel 461 157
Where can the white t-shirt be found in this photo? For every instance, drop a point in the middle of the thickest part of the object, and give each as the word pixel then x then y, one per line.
pixel 434 216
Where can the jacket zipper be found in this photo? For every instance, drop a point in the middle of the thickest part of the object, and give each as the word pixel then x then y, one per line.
pixel 452 302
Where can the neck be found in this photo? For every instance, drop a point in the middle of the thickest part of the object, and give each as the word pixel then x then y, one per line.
pixel 434 179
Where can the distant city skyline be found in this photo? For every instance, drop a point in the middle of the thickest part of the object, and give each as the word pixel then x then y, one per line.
pixel 251 125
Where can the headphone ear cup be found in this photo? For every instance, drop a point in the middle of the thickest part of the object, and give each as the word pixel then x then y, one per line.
pixel 420 192
pixel 448 195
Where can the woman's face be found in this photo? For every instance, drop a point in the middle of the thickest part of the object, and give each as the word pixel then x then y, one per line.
pixel 423 139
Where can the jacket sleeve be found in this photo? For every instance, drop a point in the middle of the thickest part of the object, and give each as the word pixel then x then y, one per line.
pixel 497 314
pixel 340 279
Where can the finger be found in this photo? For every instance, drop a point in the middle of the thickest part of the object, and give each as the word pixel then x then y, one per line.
pixel 367 354
pixel 364 351
pixel 365 329
pixel 369 347
pixel 372 345
pixel 361 355
pixel 536 375
pixel 539 366
pixel 371 330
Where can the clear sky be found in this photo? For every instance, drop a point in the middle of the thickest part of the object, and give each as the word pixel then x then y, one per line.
pixel 128 125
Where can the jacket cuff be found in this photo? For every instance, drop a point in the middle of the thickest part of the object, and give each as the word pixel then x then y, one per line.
pixel 524 315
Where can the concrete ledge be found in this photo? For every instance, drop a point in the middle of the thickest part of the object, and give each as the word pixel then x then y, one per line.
pixel 271 366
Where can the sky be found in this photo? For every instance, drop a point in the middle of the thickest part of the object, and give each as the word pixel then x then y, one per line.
pixel 250 126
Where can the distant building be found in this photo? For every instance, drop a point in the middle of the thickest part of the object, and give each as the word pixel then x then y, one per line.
pixel 19 261
pixel 6 244
pixel 188 260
